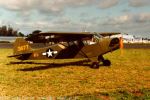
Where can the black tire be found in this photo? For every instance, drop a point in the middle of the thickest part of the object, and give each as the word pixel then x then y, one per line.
pixel 95 65
pixel 106 63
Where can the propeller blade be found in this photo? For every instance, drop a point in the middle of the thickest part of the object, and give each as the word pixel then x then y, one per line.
pixel 121 43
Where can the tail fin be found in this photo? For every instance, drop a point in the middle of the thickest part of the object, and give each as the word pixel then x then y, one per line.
pixel 21 46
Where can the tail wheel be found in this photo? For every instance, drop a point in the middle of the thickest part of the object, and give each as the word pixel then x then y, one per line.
pixel 95 65
pixel 106 63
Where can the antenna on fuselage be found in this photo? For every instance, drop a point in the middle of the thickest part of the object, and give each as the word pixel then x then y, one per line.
pixel 84 29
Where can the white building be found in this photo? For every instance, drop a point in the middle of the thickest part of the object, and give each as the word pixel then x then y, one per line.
pixel 131 38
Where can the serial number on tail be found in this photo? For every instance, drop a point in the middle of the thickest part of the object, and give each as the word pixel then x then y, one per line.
pixel 23 48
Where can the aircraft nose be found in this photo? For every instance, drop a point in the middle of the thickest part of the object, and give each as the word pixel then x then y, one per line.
pixel 113 42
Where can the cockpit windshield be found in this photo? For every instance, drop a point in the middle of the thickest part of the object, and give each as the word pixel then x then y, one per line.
pixel 97 36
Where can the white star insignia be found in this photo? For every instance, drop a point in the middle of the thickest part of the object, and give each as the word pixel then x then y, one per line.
pixel 49 53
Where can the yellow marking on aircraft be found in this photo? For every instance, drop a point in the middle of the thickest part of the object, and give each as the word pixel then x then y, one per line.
pixel 35 55
pixel 23 48
pixel 61 46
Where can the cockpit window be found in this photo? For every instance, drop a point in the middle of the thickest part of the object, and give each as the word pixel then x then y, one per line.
pixel 88 42
pixel 98 36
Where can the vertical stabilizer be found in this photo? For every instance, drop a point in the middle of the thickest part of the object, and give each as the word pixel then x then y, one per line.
pixel 21 46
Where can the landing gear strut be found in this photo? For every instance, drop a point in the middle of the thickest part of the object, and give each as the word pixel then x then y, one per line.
pixel 106 62
pixel 100 59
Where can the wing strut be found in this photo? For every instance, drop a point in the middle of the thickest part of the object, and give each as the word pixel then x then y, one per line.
pixel 84 55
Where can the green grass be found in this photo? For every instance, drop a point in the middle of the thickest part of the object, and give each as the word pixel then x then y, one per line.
pixel 127 78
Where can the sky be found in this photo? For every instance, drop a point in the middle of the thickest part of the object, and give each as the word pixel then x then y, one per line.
pixel 125 16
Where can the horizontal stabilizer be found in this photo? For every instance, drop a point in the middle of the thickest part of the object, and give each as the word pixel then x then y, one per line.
pixel 19 55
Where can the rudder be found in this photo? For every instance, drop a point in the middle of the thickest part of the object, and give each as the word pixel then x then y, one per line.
pixel 21 46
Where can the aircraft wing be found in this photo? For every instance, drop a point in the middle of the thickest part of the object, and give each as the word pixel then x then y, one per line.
pixel 44 37
pixel 64 33
pixel 67 36
pixel 80 34
pixel 104 34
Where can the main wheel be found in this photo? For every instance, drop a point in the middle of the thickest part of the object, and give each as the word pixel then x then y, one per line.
pixel 106 63
pixel 95 65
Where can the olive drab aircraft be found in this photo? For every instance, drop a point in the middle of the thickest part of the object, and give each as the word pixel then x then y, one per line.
pixel 69 45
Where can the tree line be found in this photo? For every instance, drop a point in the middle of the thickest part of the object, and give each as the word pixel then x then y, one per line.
pixel 9 31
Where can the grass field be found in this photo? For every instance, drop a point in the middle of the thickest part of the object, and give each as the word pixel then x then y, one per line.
pixel 128 77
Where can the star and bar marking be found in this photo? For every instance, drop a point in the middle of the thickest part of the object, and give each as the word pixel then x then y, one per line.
pixel 49 53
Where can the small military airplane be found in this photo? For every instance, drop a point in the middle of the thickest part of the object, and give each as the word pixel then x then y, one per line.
pixel 69 45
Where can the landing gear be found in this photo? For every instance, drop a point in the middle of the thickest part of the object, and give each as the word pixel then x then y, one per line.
pixel 105 62
pixel 100 58
pixel 95 65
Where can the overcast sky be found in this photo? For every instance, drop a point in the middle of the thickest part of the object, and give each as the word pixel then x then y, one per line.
pixel 126 16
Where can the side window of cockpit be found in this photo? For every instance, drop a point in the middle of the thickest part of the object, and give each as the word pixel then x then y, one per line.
pixel 89 42
pixel 95 38
pixel 70 43
pixel 74 43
